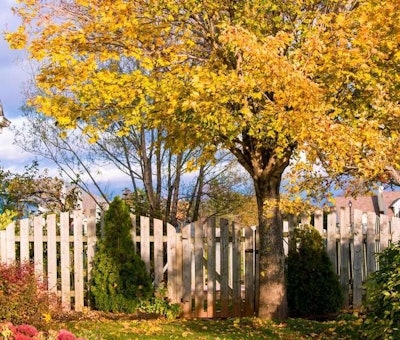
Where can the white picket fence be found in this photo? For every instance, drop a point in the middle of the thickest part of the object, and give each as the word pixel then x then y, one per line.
pixel 210 266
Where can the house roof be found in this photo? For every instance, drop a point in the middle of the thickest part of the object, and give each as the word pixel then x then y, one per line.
pixel 380 203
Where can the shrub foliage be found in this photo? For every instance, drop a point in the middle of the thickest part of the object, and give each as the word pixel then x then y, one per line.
pixel 383 297
pixel 119 277
pixel 23 298
pixel 313 288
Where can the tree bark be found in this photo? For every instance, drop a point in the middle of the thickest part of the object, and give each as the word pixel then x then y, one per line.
pixel 272 295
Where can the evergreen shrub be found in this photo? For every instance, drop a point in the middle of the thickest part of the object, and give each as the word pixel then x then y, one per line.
pixel 313 288
pixel 382 303
pixel 119 276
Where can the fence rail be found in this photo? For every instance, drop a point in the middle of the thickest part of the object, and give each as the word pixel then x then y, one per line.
pixel 210 266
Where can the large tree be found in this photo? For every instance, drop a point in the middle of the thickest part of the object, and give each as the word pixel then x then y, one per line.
pixel 313 81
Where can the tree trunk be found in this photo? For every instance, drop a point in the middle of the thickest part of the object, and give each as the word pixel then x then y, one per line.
pixel 272 295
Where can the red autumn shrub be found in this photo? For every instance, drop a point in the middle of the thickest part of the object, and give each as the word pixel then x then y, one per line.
pixel 23 298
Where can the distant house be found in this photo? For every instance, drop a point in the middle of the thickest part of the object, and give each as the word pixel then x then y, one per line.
pixel 4 122
pixel 92 205
pixel 383 202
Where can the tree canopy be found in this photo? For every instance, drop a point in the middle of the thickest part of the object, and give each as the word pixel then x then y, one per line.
pixel 312 82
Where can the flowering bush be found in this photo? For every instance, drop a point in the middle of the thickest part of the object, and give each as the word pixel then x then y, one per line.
pixel 28 332
pixel 23 298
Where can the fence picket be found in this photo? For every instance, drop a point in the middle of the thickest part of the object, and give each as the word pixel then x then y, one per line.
pixel 236 270
pixel 344 253
pixel 249 273
pixel 24 239
pixel 211 268
pixel 187 271
pixel 199 271
pixel 10 236
pixel 158 252
pixel 358 259
pixel 371 240
pixel 78 260
pixel 51 253
pixel 65 261
pixel 145 241
pixel 38 245
pixel 224 293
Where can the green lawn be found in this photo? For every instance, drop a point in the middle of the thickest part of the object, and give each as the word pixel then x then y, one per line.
pixel 102 327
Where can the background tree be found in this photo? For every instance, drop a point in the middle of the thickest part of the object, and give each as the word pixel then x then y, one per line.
pixel 309 82
pixel 32 189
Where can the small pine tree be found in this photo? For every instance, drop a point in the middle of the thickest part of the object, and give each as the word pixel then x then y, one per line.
pixel 119 277
pixel 313 288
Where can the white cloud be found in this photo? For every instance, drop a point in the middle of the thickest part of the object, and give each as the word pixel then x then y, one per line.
pixel 12 156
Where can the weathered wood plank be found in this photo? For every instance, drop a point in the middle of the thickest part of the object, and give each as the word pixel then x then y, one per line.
pixel 344 253
pixel 358 259
pixel 224 226
pixel 91 244
pixel 249 273
pixel 38 245
pixel 3 246
pixel 319 221
pixel 331 239
pixel 10 235
pixel 236 270
pixel 24 240
pixel 371 239
pixel 51 253
pixel 158 252
pixel 384 235
pixel 133 230
pixel 65 261
pixel 187 271
pixel 198 264
pixel 172 264
pixel 395 229
pixel 78 260
pixel 211 268
pixel 145 241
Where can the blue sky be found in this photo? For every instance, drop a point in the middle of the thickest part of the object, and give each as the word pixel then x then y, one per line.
pixel 14 72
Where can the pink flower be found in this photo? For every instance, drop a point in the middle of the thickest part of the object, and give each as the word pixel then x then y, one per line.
pixel 65 335
pixel 27 330
pixel 20 336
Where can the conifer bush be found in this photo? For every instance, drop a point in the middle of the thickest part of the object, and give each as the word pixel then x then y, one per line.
pixel 382 301
pixel 313 288
pixel 119 277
